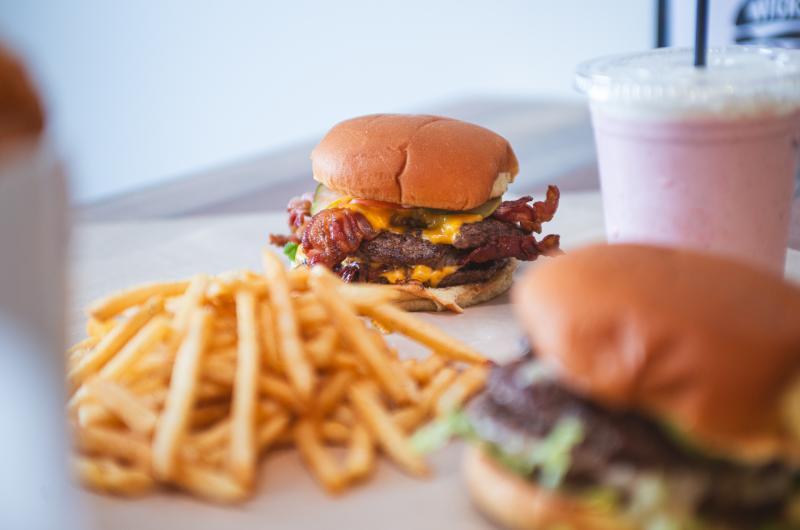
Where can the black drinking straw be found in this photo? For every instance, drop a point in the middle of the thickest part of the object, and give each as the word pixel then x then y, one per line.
pixel 701 34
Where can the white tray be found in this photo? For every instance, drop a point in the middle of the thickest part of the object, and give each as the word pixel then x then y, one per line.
pixel 111 256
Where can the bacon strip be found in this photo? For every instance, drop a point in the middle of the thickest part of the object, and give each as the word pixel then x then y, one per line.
pixel 529 218
pixel 299 209
pixel 280 240
pixel 522 247
pixel 333 234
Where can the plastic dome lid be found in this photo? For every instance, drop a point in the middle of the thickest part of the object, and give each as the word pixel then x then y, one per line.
pixel 736 78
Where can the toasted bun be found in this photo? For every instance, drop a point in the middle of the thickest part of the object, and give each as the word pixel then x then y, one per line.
pixel 521 505
pixel 21 114
pixel 415 160
pixel 708 345
pixel 457 297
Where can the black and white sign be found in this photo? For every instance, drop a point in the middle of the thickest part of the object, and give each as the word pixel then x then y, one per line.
pixel 768 22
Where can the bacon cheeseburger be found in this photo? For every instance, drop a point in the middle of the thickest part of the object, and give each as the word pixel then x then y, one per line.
pixel 663 393
pixel 415 201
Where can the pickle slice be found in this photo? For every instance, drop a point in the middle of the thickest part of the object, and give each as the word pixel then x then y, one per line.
pixel 484 210
pixel 323 196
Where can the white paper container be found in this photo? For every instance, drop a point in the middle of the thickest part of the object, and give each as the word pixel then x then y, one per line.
pixel 34 490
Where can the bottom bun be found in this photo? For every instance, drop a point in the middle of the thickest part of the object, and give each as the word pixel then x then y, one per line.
pixel 519 504
pixel 457 297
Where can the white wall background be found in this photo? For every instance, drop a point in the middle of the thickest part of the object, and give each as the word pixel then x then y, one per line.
pixel 140 91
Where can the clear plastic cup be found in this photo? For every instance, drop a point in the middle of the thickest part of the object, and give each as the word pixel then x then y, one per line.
pixel 703 158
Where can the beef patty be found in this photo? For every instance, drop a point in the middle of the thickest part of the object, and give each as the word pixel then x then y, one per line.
pixel 409 249
pixel 520 405
pixel 484 232
pixel 470 273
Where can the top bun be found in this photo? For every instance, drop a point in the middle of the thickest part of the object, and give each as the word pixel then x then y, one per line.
pixel 708 345
pixel 415 160
pixel 21 114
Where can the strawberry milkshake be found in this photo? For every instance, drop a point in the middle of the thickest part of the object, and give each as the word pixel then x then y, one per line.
pixel 701 158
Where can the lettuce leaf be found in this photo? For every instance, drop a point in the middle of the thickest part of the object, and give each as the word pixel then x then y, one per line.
pixel 437 433
pixel 290 250
pixel 550 456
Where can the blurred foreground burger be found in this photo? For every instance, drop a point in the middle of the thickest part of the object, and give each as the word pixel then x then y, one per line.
pixel 21 113
pixel 416 201
pixel 663 392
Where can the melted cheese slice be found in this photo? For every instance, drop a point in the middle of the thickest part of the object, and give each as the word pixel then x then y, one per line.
pixel 442 228
pixel 420 273
pixel 379 218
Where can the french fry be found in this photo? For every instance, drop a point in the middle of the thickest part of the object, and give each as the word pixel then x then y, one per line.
pixel 209 392
pixel 312 316
pixel 124 404
pixel 210 484
pixel 342 361
pixel 268 343
pixel 436 387
pixel 397 320
pixel 293 357
pixel 467 384
pixel 360 460
pixel 214 456
pixel 281 392
pixel 409 418
pixel 146 386
pixel 268 408
pixel 205 415
pixel 320 348
pixel 361 294
pixel 224 285
pixel 86 344
pixel 93 413
pixel 141 343
pixel 355 293
pixel 242 449
pixel 317 458
pixel 226 354
pixel 283 439
pixel 223 339
pixel 409 366
pixel 114 443
pixel 214 436
pixel 105 475
pixel 191 300
pixel 366 345
pixel 381 426
pixel 271 430
pixel 113 341
pixel 305 299
pixel 98 329
pixel 332 392
pixel 155 398
pixel 424 371
pixel 334 432
pixel 219 370
pixel 298 279
pixel 114 304
pixel 343 414
pixel 156 362
pixel 180 399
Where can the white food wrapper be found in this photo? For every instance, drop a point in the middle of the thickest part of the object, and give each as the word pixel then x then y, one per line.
pixel 34 485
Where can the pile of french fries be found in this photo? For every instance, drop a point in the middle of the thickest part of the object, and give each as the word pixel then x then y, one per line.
pixel 189 384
